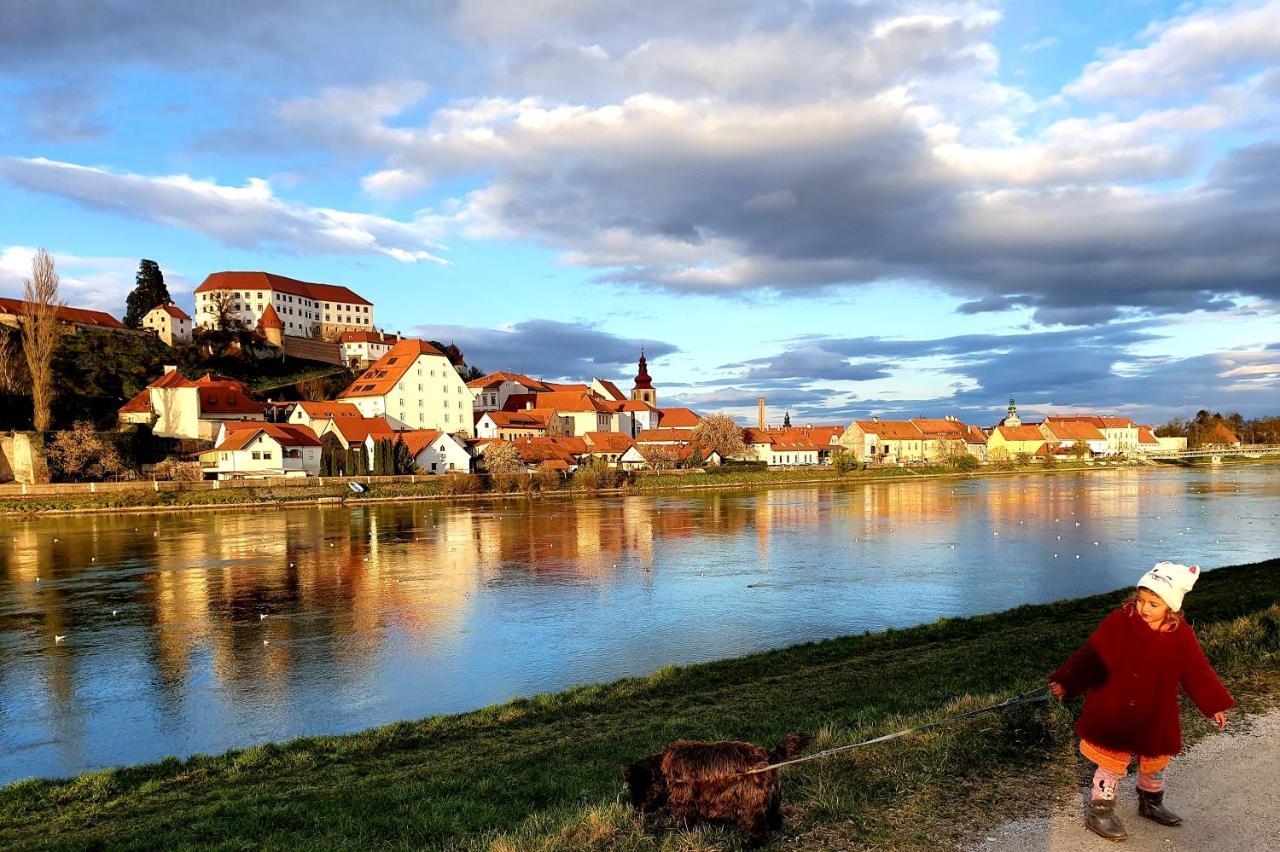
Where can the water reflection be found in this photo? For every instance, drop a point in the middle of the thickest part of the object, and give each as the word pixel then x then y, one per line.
pixel 201 632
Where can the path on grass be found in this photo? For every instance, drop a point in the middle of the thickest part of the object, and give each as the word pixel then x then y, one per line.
pixel 1226 788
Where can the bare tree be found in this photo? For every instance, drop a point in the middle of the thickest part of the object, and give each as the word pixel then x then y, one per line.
pixel 719 433
pixel 40 333
pixel 225 315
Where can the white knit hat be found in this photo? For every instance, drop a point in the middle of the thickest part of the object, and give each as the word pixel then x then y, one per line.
pixel 1170 581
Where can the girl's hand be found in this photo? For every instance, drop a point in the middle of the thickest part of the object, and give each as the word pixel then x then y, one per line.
pixel 1221 718
pixel 1058 691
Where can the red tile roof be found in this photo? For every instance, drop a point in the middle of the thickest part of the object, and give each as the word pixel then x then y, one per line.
pixel 1099 422
pixel 140 404
pixel 418 440
pixel 572 401
pixel 1073 430
pixel 356 431
pixel 270 319
pixel 81 316
pixel 321 410
pixel 494 379
pixel 891 430
pixel 1146 436
pixel 608 442
pixel 239 434
pixel 520 401
pixel 572 388
pixel 614 391
pixel 678 418
pixel 281 284
pixel 939 427
pixel 534 418
pixel 383 374
pixel 629 405
pixel 1020 433
pixel 172 310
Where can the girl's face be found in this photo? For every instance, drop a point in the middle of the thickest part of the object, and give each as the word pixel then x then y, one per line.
pixel 1151 607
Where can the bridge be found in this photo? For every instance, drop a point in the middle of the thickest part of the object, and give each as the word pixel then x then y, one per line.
pixel 1245 450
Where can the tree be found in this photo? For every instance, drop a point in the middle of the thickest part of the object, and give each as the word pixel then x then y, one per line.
pixel 1175 427
pixel 659 456
pixel 81 454
pixel 843 461
pixel 472 374
pixel 1080 450
pixel 1219 435
pixel 40 333
pixel 149 290
pixel 501 457
pixel 10 362
pixel 786 420
pixel 718 433
pixel 225 316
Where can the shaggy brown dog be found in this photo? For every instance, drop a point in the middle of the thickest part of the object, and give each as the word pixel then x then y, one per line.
pixel 704 781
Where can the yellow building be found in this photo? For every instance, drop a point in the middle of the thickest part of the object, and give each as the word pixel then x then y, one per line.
pixel 1010 442
pixel 170 323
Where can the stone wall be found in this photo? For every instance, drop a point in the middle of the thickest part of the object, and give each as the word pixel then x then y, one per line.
pixel 22 460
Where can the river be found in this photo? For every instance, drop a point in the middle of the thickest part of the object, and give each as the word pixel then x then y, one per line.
pixel 199 632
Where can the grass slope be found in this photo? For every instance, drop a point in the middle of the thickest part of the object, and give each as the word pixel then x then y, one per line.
pixel 545 773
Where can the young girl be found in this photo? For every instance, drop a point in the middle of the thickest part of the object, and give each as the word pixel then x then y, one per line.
pixel 1132 667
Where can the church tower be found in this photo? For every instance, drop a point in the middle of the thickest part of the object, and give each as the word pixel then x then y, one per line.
pixel 643 389
pixel 1012 418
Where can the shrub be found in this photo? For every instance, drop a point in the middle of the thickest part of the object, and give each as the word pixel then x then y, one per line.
pixel 81 454
pixel 173 470
pixel 962 462
pixel 456 482
pixel 547 479
pixel 843 461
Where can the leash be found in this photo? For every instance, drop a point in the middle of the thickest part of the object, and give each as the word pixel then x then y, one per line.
pixel 1031 696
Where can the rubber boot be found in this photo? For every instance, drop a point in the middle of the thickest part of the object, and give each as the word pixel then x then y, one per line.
pixel 1102 820
pixel 1151 806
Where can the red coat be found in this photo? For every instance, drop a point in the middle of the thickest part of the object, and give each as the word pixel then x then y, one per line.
pixel 1132 674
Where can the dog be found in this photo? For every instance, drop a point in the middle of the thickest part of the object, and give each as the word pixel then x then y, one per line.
pixel 704 782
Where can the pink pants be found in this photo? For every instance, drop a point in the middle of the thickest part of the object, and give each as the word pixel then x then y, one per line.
pixel 1113 765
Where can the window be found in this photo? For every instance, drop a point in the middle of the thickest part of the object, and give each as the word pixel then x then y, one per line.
pixel 257 456
pixel 446 417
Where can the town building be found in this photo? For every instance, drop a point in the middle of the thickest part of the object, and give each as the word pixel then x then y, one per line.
pixel 415 386
pixel 579 412
pixel 170 323
pixel 362 348
pixel 884 441
pixel 609 446
pixel 631 416
pixel 510 425
pixel 943 438
pixel 174 406
pixel 1121 433
pixel 253 450
pixel 437 452
pixel 783 447
pixel 606 389
pixel 316 415
pixel 1063 435
pixel 492 392
pixel 1006 443
pixel 306 309
pixel 12 312
pixel 677 418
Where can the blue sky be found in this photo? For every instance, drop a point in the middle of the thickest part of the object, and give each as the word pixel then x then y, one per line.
pixel 851 207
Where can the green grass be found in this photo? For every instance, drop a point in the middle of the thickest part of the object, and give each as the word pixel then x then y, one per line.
pixel 545 773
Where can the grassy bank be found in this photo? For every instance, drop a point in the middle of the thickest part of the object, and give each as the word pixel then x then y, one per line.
pixel 439 488
pixel 545 773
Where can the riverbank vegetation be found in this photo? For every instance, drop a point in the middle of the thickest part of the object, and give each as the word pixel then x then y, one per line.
pixel 589 481
pixel 545 773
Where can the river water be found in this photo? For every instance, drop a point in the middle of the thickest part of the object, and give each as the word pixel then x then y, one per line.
pixel 199 632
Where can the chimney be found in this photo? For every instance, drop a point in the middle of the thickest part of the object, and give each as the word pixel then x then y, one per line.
pixel 760 408
pixel 875 419
pixel 528 406
pixel 169 368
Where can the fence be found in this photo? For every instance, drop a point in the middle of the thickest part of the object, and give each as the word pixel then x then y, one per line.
pixel 60 489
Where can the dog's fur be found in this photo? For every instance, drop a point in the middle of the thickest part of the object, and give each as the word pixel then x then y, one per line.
pixel 704 782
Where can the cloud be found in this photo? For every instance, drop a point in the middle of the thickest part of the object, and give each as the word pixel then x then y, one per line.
pixel 1188 53
pixel 250 216
pixel 99 283
pixel 549 349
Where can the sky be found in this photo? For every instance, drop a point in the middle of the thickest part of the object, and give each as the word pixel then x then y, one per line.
pixel 853 208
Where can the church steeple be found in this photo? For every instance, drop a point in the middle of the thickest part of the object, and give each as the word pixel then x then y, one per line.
pixel 643 388
pixel 1012 419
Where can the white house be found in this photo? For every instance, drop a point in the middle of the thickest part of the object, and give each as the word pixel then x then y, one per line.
pixel 780 447
pixel 1069 433
pixel 362 348
pixel 252 450
pixel 305 309
pixel 177 407
pixel 169 322
pixel 437 452
pixel 492 392
pixel 415 387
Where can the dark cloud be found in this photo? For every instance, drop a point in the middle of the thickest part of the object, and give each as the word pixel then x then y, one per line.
pixel 808 364
pixel 550 349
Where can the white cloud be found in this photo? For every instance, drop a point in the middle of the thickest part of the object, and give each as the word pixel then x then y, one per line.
pixel 99 283
pixel 1190 53
pixel 249 216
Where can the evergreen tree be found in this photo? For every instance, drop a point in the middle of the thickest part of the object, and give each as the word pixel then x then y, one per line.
pixel 149 290
pixel 786 420
pixel 403 459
